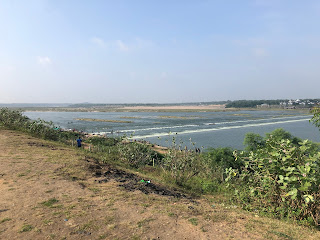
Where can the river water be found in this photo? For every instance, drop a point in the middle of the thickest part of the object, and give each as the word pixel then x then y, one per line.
pixel 191 129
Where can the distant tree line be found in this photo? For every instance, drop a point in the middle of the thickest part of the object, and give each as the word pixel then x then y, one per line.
pixel 251 103
pixel 115 105
pixel 300 103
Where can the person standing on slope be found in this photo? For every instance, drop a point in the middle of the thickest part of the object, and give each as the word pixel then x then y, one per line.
pixel 79 140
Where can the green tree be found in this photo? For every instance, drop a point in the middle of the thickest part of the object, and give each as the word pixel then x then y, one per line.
pixel 221 157
pixel 316 116
pixel 218 159
pixel 279 134
pixel 252 141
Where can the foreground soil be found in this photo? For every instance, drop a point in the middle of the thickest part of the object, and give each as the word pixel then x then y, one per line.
pixel 50 191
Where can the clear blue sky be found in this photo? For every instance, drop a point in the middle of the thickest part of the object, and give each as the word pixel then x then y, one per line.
pixel 140 51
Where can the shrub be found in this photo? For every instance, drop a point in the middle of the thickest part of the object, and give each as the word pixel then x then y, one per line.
pixel 316 116
pixel 138 154
pixel 219 159
pixel 102 141
pixel 183 165
pixel 280 178
pixel 252 141
pixel 12 119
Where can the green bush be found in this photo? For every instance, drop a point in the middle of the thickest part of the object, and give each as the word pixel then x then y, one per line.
pixel 279 134
pixel 12 119
pixel 252 141
pixel 280 178
pixel 316 116
pixel 218 159
pixel 138 154
pixel 184 165
pixel 102 141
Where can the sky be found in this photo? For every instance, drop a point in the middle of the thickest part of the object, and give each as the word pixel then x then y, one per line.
pixel 168 51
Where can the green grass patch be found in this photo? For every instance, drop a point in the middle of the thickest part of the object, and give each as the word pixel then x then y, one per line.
pixel 26 228
pixel 47 222
pixel 5 220
pixel 194 221
pixel 50 203
pixel 95 190
pixel 144 222
pixel 281 235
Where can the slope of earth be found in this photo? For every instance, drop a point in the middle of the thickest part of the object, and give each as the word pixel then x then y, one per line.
pixel 50 191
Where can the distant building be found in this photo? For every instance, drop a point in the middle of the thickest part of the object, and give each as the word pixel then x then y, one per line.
pixel 283 104
pixel 264 105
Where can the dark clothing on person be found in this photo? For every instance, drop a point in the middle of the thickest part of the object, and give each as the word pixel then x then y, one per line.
pixel 79 140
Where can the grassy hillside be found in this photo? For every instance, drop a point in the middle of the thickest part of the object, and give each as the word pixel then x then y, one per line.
pixel 51 191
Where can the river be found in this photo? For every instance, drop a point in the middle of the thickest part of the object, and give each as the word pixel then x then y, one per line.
pixel 191 129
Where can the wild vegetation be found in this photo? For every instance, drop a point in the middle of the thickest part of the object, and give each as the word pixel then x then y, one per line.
pixel 14 120
pixel 281 178
pixel 275 175
pixel 316 117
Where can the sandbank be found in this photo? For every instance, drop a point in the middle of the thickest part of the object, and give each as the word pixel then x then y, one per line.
pixel 177 107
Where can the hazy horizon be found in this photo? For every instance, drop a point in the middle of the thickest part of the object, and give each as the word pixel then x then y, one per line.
pixel 44 104
pixel 128 52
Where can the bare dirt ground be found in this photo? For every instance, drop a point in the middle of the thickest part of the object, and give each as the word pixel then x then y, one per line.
pixel 50 191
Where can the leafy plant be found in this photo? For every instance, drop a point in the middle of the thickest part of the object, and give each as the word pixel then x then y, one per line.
pixel 316 116
pixel 280 178
pixel 138 154
pixel 252 141
pixel 219 159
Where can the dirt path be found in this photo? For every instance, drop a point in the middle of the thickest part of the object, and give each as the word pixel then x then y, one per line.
pixel 49 191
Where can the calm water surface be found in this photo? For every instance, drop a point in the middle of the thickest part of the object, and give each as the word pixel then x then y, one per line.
pixel 204 129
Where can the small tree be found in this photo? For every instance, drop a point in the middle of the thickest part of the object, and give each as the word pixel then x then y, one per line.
pixel 316 116
pixel 279 134
pixel 252 141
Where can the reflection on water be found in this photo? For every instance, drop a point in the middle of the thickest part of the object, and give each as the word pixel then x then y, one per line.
pixel 205 129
